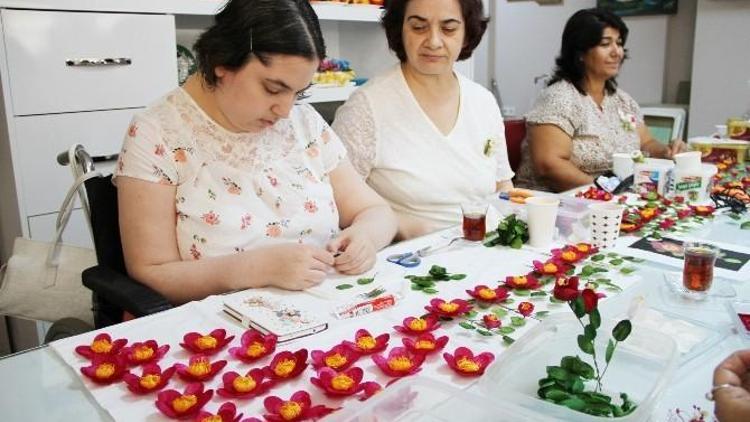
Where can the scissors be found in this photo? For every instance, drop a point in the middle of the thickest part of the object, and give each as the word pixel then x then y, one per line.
pixel 408 259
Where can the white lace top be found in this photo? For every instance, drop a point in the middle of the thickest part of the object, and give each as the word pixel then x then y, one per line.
pixel 409 162
pixel 236 191
pixel 596 133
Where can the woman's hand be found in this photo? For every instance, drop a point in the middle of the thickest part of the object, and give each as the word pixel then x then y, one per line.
pixel 675 147
pixel 733 400
pixel 295 267
pixel 357 252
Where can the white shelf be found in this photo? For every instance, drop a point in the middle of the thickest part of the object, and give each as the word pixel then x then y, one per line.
pixel 328 94
pixel 325 10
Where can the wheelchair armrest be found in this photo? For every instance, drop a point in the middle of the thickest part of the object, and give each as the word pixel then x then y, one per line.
pixel 124 292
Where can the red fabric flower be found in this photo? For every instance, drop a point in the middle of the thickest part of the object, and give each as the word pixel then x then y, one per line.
pixel 485 294
pixel 143 353
pixel 365 344
pixel 425 344
pixel 176 405
pixel 297 408
pixel 684 213
pixel 551 267
pixel 152 379
pixel 286 365
pixel 453 308
pixel 627 227
pixel 586 249
pixel 339 384
pixel 525 308
pixel 647 214
pixel 522 282
pixel 415 326
pixel 590 300
pixel 338 358
pixel 199 368
pixel 465 363
pixel 679 199
pixel 101 346
pixel 254 346
pixel 491 321
pixel 369 389
pixel 566 289
pixel 400 362
pixel 237 386
pixel 206 344
pixel 666 224
pixel 703 210
pixel 569 255
pixel 227 413
pixel 105 369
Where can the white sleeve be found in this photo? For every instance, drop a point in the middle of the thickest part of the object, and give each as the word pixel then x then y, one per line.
pixel 504 172
pixel 355 125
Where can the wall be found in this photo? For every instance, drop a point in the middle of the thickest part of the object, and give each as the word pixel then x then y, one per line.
pixel 721 64
pixel 527 38
pixel 679 54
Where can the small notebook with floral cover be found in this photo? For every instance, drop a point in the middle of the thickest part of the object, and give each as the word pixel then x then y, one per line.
pixel 271 315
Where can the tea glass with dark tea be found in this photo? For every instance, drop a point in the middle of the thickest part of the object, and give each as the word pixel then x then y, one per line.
pixel 698 270
pixel 474 220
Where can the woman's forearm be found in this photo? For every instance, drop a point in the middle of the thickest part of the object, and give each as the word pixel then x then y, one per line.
pixel 563 175
pixel 379 223
pixel 655 148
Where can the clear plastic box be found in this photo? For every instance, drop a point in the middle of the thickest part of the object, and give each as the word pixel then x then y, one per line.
pixel 642 367
pixel 423 399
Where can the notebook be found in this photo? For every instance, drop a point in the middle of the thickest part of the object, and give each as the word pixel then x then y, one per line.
pixel 271 315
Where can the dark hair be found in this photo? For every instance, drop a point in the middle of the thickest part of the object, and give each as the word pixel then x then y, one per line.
pixel 582 32
pixel 474 21
pixel 260 28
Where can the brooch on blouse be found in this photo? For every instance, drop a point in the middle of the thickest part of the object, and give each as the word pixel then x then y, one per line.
pixel 489 147
pixel 628 121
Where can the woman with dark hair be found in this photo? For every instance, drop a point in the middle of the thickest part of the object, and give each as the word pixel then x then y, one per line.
pixel 423 136
pixel 226 184
pixel 582 117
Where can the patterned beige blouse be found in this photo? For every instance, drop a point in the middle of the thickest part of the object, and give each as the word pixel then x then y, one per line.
pixel 596 133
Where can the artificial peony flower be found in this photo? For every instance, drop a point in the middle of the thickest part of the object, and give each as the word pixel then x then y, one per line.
pixel 491 321
pixel 522 282
pixel 551 267
pixel 338 358
pixel 525 308
pixel 297 408
pixel 586 249
pixel 703 210
pixel 227 413
pixel 152 379
pixel 105 369
pixel 451 309
pixel 590 300
pixel 339 384
pixel 399 363
pixel 143 353
pixel 286 365
pixel 369 389
pixel 415 326
pixel 485 294
pixel 568 255
pixel 365 344
pixel 176 405
pixel 253 346
pixel 101 346
pixel 206 344
pixel 238 386
pixel 425 344
pixel 199 368
pixel 465 363
pixel 566 289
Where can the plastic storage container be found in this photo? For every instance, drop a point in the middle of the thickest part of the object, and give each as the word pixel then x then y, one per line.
pixel 653 175
pixel 720 150
pixel 642 367
pixel 423 399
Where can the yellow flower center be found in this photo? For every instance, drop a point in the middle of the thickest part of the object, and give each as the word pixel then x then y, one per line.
pixel 569 255
pixel 183 403
pixel 520 281
pixel 256 349
pixel 244 384
pixel 400 364
pixel 701 209
pixel 550 268
pixel 285 367
pixel 648 212
pixel 105 370
pixel 487 294
pixel 418 324
pixel 467 365
pixel 214 418
pixel 335 361
pixel 366 343
pixel 448 307
pixel 424 345
pixel 143 353
pixel 101 346
pixel 200 367
pixel 206 342
pixel 525 307
pixel 342 382
pixel 582 247
pixel 290 410
pixel 149 381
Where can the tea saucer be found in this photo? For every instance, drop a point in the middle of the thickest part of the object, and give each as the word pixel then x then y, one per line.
pixel 720 289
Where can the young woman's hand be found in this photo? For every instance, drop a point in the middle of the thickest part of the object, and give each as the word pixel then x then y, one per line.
pixel 295 267
pixel 355 251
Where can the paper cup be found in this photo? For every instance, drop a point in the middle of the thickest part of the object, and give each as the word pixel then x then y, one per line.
pixel 688 161
pixel 605 224
pixel 541 214
pixel 622 165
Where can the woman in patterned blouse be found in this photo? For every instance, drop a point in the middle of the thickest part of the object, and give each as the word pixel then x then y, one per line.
pixel 582 118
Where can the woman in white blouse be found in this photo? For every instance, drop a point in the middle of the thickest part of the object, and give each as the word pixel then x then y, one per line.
pixel 225 184
pixel 423 136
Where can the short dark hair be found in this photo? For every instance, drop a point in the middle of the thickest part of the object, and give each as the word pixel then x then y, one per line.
pixel 260 28
pixel 475 23
pixel 583 31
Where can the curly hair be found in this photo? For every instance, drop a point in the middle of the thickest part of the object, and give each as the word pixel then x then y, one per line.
pixel 582 32
pixel 260 28
pixel 475 23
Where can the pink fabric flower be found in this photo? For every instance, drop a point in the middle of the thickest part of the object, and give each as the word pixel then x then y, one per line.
pixel 466 364
pixel 144 353
pixel 176 405
pixel 366 344
pixel 199 368
pixel 451 309
pixel 254 345
pixel 414 326
pixel 252 384
pixel 400 362
pixel 286 365
pixel 339 384
pixel 206 344
pixel 152 379
pixel 425 344
pixel 105 369
pixel 338 358
pixel 297 408
pixel 102 345
pixel 486 294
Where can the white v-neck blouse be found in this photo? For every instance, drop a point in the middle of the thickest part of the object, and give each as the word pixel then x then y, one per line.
pixel 403 156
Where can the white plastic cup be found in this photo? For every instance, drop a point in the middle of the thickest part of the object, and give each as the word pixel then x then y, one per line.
pixel 541 212
pixel 622 165
pixel 688 161
pixel 721 131
pixel 605 224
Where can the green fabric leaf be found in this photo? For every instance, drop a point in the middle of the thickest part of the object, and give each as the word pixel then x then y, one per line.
pixel 364 281
pixel 344 286
pixel 595 319
pixel 610 351
pixel 518 321
pixel 622 330
pixel 466 325
pixel 586 345
pixel 506 330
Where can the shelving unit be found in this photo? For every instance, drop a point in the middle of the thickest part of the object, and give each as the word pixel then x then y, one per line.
pixel 329 94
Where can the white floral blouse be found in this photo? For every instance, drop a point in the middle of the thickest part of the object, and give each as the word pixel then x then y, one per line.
pixel 597 133
pixel 237 191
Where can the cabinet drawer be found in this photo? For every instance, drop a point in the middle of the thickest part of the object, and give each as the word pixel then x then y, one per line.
pixel 40 45
pixel 42 227
pixel 39 139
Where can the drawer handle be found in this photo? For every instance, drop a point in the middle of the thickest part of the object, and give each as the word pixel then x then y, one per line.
pixel 119 61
